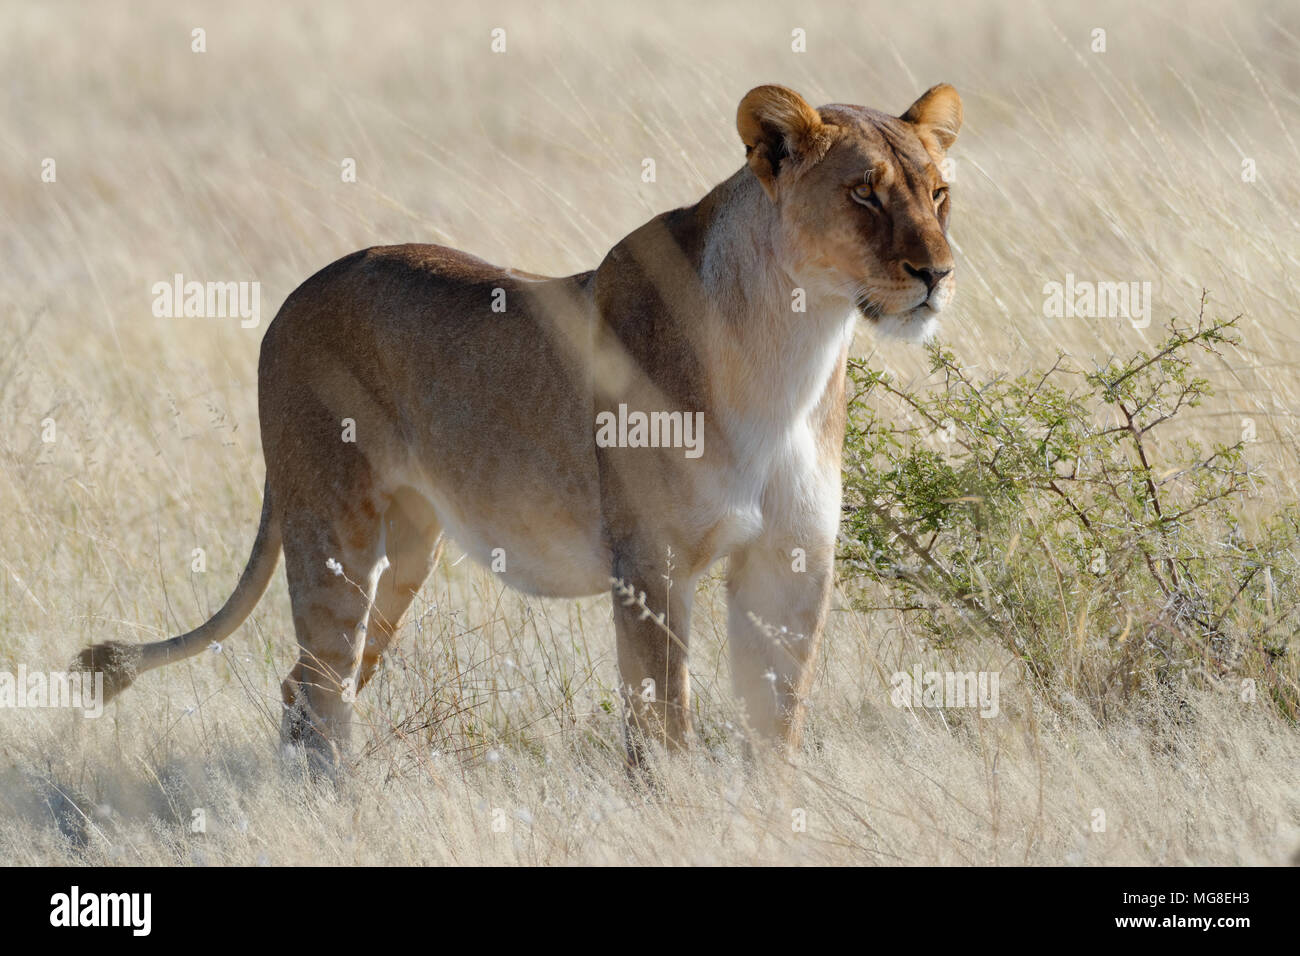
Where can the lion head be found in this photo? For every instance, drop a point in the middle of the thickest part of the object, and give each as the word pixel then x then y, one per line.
pixel 862 203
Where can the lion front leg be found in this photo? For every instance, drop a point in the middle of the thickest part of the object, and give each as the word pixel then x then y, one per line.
pixel 652 621
pixel 778 593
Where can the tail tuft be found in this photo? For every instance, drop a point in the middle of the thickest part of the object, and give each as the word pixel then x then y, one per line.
pixel 122 663
pixel 118 662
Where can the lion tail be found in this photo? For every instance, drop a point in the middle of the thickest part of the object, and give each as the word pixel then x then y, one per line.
pixel 122 663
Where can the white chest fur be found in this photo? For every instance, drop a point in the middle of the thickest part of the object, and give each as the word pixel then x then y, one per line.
pixel 776 478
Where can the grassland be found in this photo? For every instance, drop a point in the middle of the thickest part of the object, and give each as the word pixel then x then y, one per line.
pixel 493 734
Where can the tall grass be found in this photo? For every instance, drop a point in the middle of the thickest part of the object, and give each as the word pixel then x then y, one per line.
pixel 492 734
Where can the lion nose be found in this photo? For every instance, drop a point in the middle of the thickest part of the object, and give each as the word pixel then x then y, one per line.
pixel 931 277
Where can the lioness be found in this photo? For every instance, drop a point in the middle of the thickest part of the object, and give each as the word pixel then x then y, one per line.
pixel 407 392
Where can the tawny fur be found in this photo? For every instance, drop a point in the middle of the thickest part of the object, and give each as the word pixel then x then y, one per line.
pixel 480 423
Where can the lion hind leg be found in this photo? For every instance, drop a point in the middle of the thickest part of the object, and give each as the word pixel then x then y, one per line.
pixel 414 545
pixel 334 567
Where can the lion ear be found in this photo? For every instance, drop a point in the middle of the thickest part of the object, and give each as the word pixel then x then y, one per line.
pixel 937 112
pixel 776 125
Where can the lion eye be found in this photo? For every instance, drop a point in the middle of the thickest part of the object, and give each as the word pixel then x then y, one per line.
pixel 940 193
pixel 864 194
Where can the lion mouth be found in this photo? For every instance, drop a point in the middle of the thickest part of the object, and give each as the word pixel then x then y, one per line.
pixel 917 324
pixel 874 312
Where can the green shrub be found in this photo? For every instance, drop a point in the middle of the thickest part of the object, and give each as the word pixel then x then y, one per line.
pixel 1063 514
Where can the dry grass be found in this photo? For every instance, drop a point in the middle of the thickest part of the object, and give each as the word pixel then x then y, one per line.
pixel 1124 165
